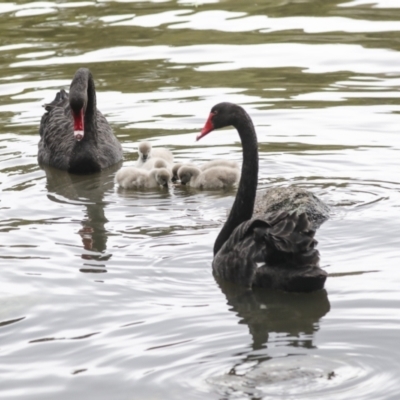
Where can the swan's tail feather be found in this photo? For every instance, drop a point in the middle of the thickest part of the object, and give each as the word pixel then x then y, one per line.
pixel 58 101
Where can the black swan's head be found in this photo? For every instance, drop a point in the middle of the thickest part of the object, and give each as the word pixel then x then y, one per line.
pixel 78 99
pixel 221 115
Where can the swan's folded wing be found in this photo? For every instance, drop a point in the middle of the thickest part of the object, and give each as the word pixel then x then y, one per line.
pixel 55 126
pixel 59 100
pixel 290 233
pixel 280 242
pixel 238 258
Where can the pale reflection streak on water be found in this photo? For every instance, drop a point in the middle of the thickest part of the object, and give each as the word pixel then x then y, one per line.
pixel 109 294
pixel 314 58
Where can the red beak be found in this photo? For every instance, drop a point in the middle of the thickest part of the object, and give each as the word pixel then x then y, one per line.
pixel 208 127
pixel 78 125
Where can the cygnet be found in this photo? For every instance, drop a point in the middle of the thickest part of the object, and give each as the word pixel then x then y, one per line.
pixel 146 152
pixel 175 169
pixel 219 163
pixel 135 178
pixel 212 178
pixel 156 162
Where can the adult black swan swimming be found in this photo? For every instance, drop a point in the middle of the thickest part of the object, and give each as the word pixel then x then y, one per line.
pixel 275 250
pixel 74 135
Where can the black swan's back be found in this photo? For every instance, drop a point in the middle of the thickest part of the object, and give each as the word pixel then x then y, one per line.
pixel 74 135
pixel 291 199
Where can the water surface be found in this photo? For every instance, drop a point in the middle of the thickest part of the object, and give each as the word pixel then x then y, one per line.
pixel 109 294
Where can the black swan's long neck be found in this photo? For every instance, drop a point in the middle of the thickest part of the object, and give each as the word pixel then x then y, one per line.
pixel 90 114
pixel 82 96
pixel 242 209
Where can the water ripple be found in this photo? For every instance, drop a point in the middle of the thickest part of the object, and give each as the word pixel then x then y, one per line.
pixel 106 290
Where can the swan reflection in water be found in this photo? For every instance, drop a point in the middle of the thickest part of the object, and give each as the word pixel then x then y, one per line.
pixel 275 319
pixel 87 191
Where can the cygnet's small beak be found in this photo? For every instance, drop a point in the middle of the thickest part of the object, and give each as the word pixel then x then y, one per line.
pixel 144 157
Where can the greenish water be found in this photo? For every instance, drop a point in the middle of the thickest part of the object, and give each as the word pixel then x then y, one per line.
pixel 109 294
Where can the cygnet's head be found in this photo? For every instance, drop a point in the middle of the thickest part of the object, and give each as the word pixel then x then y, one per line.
pixel 144 151
pixel 175 170
pixel 160 163
pixel 186 172
pixel 162 176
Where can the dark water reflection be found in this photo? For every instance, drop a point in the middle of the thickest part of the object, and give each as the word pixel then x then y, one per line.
pixel 289 318
pixel 64 188
pixel 264 312
pixel 146 319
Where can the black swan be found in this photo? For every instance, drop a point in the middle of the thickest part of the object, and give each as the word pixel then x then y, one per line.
pixel 275 250
pixel 74 135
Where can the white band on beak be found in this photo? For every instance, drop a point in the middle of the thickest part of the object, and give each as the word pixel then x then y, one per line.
pixel 78 135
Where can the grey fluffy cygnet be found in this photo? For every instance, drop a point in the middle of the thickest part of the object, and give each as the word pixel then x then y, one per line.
pixel 212 178
pixel 146 152
pixel 175 169
pixel 136 178
pixel 219 163
pixel 156 162
pixel 205 166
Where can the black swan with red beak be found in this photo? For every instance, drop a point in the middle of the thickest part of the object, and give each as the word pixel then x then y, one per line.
pixel 274 248
pixel 74 135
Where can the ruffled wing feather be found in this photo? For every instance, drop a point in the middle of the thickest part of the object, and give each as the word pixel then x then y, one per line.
pixel 277 252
